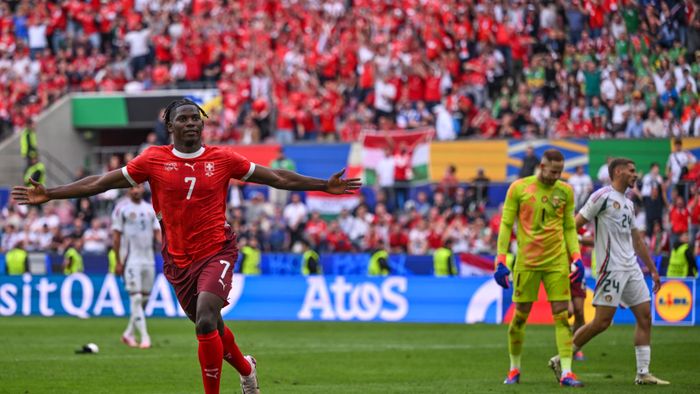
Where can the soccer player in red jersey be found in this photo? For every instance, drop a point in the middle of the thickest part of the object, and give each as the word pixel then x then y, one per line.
pixel 189 182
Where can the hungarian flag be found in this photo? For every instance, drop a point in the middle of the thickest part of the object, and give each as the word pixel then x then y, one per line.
pixel 329 204
pixel 416 142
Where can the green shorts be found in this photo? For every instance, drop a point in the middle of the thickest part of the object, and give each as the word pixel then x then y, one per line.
pixel 526 285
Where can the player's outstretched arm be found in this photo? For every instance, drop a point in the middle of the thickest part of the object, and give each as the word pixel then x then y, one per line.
pixel 289 180
pixel 640 248
pixel 88 186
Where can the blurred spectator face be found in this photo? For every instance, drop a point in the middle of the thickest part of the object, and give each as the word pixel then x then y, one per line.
pixel 361 212
pixel 438 198
pixel 678 145
pixel 136 192
pixel 680 203
pixel 114 162
pixel 295 198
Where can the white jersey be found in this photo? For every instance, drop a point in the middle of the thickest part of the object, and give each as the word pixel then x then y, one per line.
pixel 613 216
pixel 136 223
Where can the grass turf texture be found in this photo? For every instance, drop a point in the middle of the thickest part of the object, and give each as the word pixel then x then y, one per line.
pixel 37 356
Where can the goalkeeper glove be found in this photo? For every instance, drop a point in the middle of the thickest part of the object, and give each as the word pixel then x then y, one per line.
pixel 502 272
pixel 577 270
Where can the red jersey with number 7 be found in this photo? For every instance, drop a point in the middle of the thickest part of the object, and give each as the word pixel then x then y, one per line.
pixel 189 196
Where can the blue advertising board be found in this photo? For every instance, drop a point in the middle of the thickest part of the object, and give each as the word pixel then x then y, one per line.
pixel 329 298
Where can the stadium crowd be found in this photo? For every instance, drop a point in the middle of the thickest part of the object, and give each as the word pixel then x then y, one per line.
pixel 312 69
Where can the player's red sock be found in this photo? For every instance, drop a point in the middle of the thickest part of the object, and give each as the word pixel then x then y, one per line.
pixel 211 354
pixel 233 355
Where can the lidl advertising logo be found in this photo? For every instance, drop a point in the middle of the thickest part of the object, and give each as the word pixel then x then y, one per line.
pixel 673 304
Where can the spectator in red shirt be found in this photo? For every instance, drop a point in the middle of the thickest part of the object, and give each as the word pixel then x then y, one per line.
pixel 336 240
pixel 315 228
pixel 398 240
pixel 449 183
pixel 160 75
pixel 679 219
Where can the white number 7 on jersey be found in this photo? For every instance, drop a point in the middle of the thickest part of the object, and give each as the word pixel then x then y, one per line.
pixel 226 267
pixel 193 180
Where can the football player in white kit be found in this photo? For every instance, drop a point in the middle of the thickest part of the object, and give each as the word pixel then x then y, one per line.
pixel 135 229
pixel 620 279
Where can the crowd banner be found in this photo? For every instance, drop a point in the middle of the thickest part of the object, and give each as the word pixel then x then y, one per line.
pixel 463 300
pixel 416 143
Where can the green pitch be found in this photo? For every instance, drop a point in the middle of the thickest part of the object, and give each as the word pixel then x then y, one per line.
pixel 37 356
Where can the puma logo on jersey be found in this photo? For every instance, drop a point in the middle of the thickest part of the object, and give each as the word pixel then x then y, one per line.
pixel 191 165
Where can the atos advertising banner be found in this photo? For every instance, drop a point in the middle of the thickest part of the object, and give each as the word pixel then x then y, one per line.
pixel 332 298
pixel 329 298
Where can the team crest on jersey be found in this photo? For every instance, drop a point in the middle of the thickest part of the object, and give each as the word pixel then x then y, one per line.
pixel 616 205
pixel 132 216
pixel 608 298
pixel 545 199
pixel 170 166
pixel 209 168
pixel 558 198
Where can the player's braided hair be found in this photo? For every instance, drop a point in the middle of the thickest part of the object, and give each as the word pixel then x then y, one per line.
pixel 178 103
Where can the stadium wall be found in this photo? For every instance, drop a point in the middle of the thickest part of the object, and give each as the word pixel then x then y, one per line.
pixel 321 298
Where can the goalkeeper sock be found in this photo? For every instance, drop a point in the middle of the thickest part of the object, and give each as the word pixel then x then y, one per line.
pixel 516 336
pixel 564 337
pixel 211 355
pixel 643 355
pixel 233 355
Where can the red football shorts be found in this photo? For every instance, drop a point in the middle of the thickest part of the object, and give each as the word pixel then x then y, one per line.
pixel 578 290
pixel 213 274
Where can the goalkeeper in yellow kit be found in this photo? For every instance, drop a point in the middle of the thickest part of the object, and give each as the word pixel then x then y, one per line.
pixel 547 241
